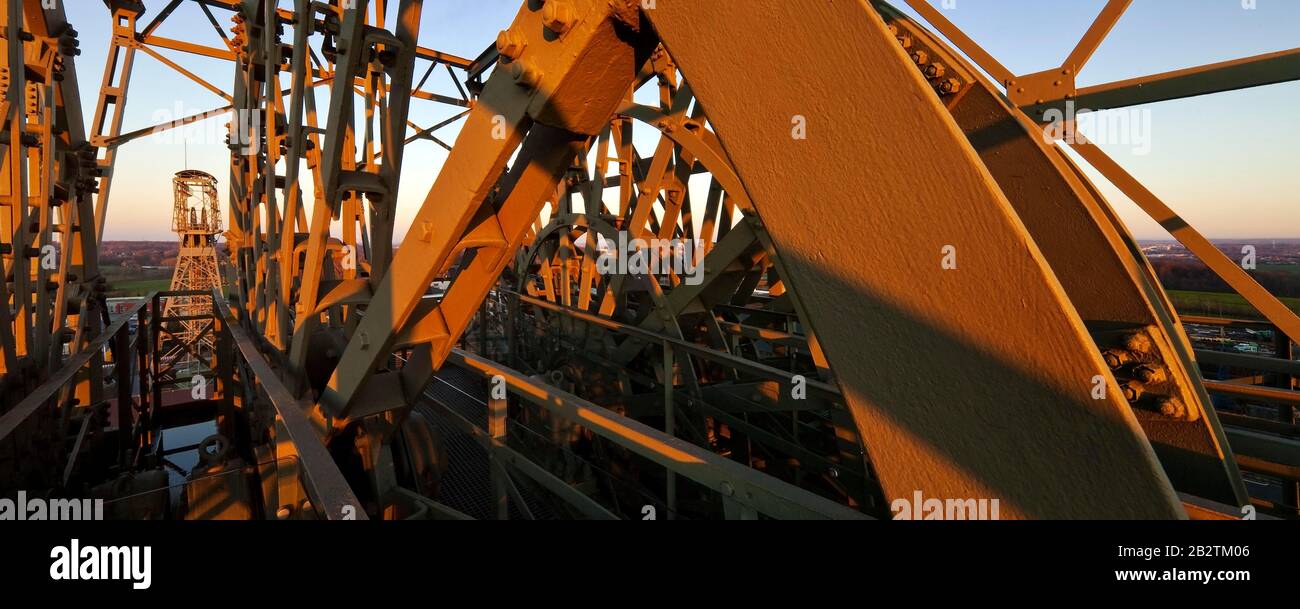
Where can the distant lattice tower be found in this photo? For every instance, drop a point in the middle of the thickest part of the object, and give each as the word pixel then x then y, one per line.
pixel 196 219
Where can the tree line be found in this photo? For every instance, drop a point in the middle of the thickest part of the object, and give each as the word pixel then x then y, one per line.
pixel 1193 275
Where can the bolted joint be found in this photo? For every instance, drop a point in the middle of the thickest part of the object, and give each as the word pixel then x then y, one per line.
pixel 1149 373
pixel 1138 342
pixel 510 44
pixel 1132 391
pixel 559 16
pixel 525 74
pixel 1173 408
pixel 1117 358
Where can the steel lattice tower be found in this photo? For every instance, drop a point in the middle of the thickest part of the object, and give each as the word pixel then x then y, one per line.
pixel 196 219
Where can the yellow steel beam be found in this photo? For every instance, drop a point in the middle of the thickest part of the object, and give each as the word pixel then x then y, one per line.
pixel 1096 33
pixel 1255 71
pixel 1099 265
pixel 567 74
pixel 975 382
pixel 187 47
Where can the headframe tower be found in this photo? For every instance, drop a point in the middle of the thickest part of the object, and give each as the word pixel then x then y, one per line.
pixel 196 219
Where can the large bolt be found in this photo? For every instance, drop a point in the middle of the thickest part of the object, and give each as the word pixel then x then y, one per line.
pixel 952 85
pixel 1151 373
pixel 1173 408
pixel 525 74
pixel 559 16
pixel 510 44
pixel 1117 358
pixel 1132 391
pixel 1138 342
pixel 935 70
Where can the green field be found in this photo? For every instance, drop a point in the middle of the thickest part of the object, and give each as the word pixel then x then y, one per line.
pixel 124 282
pixel 1220 304
pixel 138 287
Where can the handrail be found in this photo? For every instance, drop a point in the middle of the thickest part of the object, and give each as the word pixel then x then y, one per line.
pixel 1248 362
pixel 826 389
pixel 1273 395
pixel 1206 320
pixel 19 413
pixel 743 485
pixel 325 485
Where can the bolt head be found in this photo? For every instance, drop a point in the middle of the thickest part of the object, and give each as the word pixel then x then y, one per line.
pixel 1132 392
pixel 525 74
pixel 559 16
pixel 1138 343
pixel 510 44
pixel 1146 374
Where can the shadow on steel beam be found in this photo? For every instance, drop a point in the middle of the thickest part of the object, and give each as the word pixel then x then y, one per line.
pixel 939 368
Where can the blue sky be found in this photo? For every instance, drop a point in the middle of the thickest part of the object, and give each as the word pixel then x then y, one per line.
pixel 1228 163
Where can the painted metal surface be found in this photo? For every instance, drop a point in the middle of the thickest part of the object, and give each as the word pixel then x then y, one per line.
pixel 886 220
pixel 999 385
pixel 1087 247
